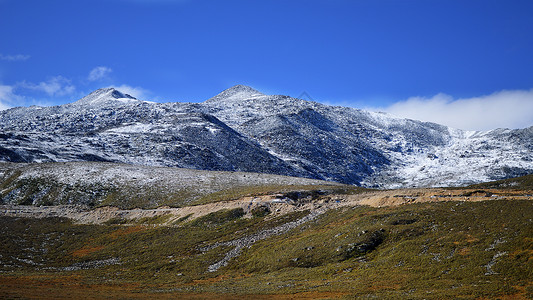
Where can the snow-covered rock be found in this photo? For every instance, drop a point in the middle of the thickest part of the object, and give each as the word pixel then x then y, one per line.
pixel 241 129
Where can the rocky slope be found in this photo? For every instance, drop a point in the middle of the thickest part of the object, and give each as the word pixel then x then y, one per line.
pixel 93 184
pixel 242 129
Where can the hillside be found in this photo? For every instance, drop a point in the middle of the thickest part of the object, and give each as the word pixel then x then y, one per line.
pixel 410 245
pixel 243 130
pixel 234 235
pixel 518 183
pixel 96 184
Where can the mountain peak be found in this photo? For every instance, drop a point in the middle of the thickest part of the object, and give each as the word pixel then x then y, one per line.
pixel 109 92
pixel 104 95
pixel 237 92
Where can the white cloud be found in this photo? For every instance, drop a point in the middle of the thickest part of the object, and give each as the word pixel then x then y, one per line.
pixel 8 98
pixel 55 86
pixel 136 92
pixel 16 57
pixel 504 109
pixel 99 73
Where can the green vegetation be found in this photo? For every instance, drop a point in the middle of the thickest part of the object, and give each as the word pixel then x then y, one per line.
pixel 260 211
pixel 442 250
pixel 10 179
pixel 182 219
pixel 519 183
pixel 43 192
pixel 218 218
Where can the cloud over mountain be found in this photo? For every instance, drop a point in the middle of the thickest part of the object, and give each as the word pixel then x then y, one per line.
pixel 99 73
pixel 7 97
pixel 55 86
pixel 504 109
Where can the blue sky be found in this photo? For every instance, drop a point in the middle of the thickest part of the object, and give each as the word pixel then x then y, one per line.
pixel 414 58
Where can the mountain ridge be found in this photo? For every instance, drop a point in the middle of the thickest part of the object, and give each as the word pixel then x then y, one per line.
pixel 241 129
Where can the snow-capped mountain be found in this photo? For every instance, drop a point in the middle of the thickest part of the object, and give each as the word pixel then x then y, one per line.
pixel 242 129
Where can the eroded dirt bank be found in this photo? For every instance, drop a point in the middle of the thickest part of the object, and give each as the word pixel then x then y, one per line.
pixel 278 204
